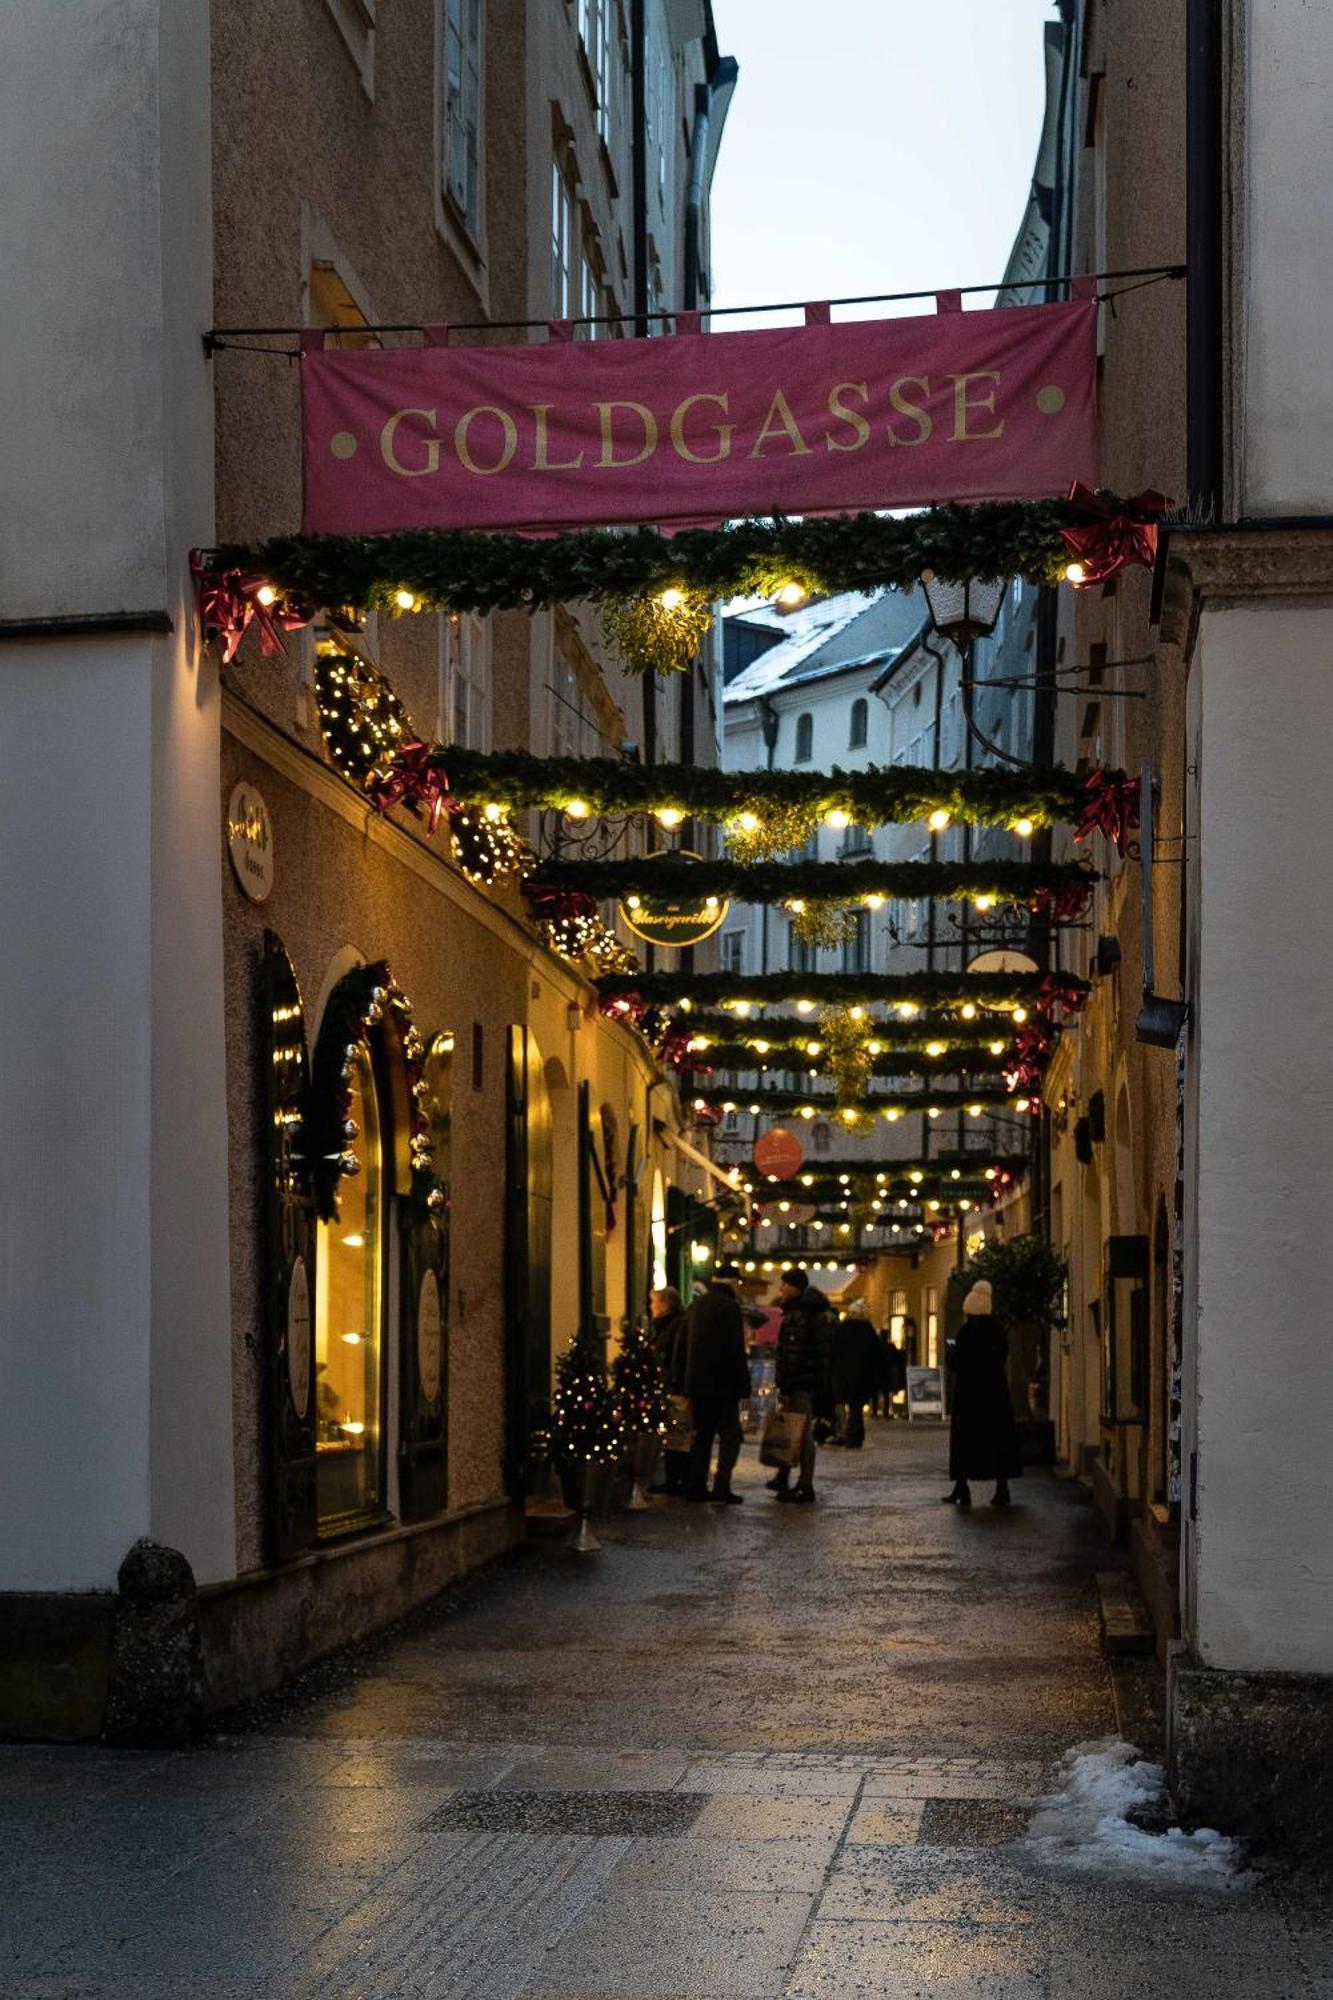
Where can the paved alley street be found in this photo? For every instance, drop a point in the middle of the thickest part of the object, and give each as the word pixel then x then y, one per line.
pixel 740 1754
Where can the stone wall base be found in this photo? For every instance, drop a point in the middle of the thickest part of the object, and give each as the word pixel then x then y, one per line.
pixel 60 1649
pixel 1252 1754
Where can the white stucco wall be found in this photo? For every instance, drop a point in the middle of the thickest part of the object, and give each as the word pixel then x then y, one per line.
pixel 1285 209
pixel 1259 1308
pixel 115 1419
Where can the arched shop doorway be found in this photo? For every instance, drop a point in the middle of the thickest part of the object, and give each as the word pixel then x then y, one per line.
pixel 350 1309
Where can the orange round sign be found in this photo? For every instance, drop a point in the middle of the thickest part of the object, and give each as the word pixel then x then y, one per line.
pixel 779 1154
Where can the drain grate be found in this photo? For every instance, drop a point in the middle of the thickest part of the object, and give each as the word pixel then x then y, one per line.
pixel 970 1823
pixel 626 1815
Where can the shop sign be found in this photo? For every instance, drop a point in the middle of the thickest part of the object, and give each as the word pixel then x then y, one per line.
pixel 250 842
pixel 298 1338
pixel 674 921
pixel 821 418
pixel 925 1392
pixel 430 1337
pixel 778 1154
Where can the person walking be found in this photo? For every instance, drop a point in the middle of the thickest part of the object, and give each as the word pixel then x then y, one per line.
pixel 855 1365
pixel 804 1372
pixel 717 1378
pixel 667 1316
pixel 983 1437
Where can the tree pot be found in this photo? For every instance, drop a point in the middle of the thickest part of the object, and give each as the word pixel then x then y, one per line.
pixel 587 1486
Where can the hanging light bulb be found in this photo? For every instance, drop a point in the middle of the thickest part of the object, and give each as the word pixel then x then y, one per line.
pixel 1020 1015
pixel 791 594
pixel 938 820
pixel 873 902
pixel 893 1114
pixel 984 902
pixel 935 1048
pixel 1075 573
pixel 748 822
pixel 405 599
pixel 266 595
pixel 671 598
pixel 760 1048
pixel 837 819
pixel 968 1011
pixel 668 816
pixel 996 1048
pixel 1024 828
pixel 805 1006
pixel 576 808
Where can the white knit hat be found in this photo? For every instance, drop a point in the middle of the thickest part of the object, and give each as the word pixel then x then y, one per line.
pixel 980 1301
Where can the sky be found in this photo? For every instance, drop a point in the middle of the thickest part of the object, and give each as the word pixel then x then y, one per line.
pixel 889 151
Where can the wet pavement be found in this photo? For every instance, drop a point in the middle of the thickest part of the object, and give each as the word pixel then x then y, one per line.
pixel 740 1754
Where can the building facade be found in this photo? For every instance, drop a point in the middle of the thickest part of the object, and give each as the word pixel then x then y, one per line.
pixel 325 1403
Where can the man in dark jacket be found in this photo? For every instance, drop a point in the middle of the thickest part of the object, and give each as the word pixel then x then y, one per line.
pixel 856 1376
pixel 804 1371
pixel 717 1377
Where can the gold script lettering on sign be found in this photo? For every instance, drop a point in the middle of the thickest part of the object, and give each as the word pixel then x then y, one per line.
pixel 722 432
pixel 389 442
pixel 606 414
pixel 924 422
pixel 963 405
pixel 837 407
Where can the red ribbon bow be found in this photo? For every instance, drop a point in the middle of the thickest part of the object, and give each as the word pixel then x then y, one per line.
pixel 549 902
pixel 1111 541
pixel 1067 900
pixel 229 604
pixel 1057 991
pixel 1110 806
pixel 413 781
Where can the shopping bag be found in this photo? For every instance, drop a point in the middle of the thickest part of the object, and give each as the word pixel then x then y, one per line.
pixel 784 1434
pixel 680 1425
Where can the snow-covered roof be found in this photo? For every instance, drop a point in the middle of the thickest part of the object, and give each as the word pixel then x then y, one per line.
pixel 857 628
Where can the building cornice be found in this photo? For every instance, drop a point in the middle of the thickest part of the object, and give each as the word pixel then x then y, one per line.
pixel 1217 568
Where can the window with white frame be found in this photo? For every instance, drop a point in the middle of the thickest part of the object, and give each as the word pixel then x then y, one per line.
pixel 805 738
pixel 733 951
pixel 856 735
pixel 564 251
pixel 460 110
pixel 856 948
pixel 465 681
pixel 575 731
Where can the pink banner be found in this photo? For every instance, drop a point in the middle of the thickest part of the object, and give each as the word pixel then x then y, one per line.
pixel 802 420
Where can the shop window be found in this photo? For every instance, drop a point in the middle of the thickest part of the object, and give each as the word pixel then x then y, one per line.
pixel 349 1315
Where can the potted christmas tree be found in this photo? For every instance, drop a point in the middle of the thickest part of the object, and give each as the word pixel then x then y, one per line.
pixel 641 1400
pixel 586 1431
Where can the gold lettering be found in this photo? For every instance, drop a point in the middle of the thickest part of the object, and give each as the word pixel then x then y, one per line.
pixel 905 408
pixel 649 421
pixel 838 408
pixel 388 444
pixel 722 431
pixel 540 461
pixel 780 421
pixel 463 427
pixel 961 406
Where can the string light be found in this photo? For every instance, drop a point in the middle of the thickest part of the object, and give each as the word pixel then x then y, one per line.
pixel 266 595
pixel 669 816
pixel 576 808
pixel 792 594
pixel 671 599
pixel 1075 573
pixel 1024 828
pixel 968 1011
pixel 837 819
pixel 405 599
pixel 938 820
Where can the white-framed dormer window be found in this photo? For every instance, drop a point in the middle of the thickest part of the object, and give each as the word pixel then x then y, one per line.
pixel 461 110
pixel 465 681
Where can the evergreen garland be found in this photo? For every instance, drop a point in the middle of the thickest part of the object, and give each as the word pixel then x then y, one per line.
pixel 808 1103
pixel 970 1060
pixel 941 1165
pixel 586 1427
pixel 785 805
pixel 362 999
pixel 940 990
pixel 729 1042
pixel 468 571
pixel 640 1383
pixel 680 876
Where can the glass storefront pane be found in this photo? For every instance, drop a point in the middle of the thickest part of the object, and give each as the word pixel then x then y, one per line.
pixel 349 1312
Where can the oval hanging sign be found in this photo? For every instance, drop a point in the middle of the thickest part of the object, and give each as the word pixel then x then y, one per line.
pixel 778 1154
pixel 675 921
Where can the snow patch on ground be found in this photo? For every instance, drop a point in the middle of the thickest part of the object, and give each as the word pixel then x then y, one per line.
pixel 1085 1826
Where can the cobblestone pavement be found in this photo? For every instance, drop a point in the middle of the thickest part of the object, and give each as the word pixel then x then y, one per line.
pixel 740 1754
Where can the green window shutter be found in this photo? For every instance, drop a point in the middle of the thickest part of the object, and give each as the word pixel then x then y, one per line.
pixel 423 1413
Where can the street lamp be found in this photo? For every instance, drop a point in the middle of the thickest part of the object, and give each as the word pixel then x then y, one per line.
pixel 963 612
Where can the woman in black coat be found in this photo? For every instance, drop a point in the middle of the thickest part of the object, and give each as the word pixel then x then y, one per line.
pixel 856 1370
pixel 983 1437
